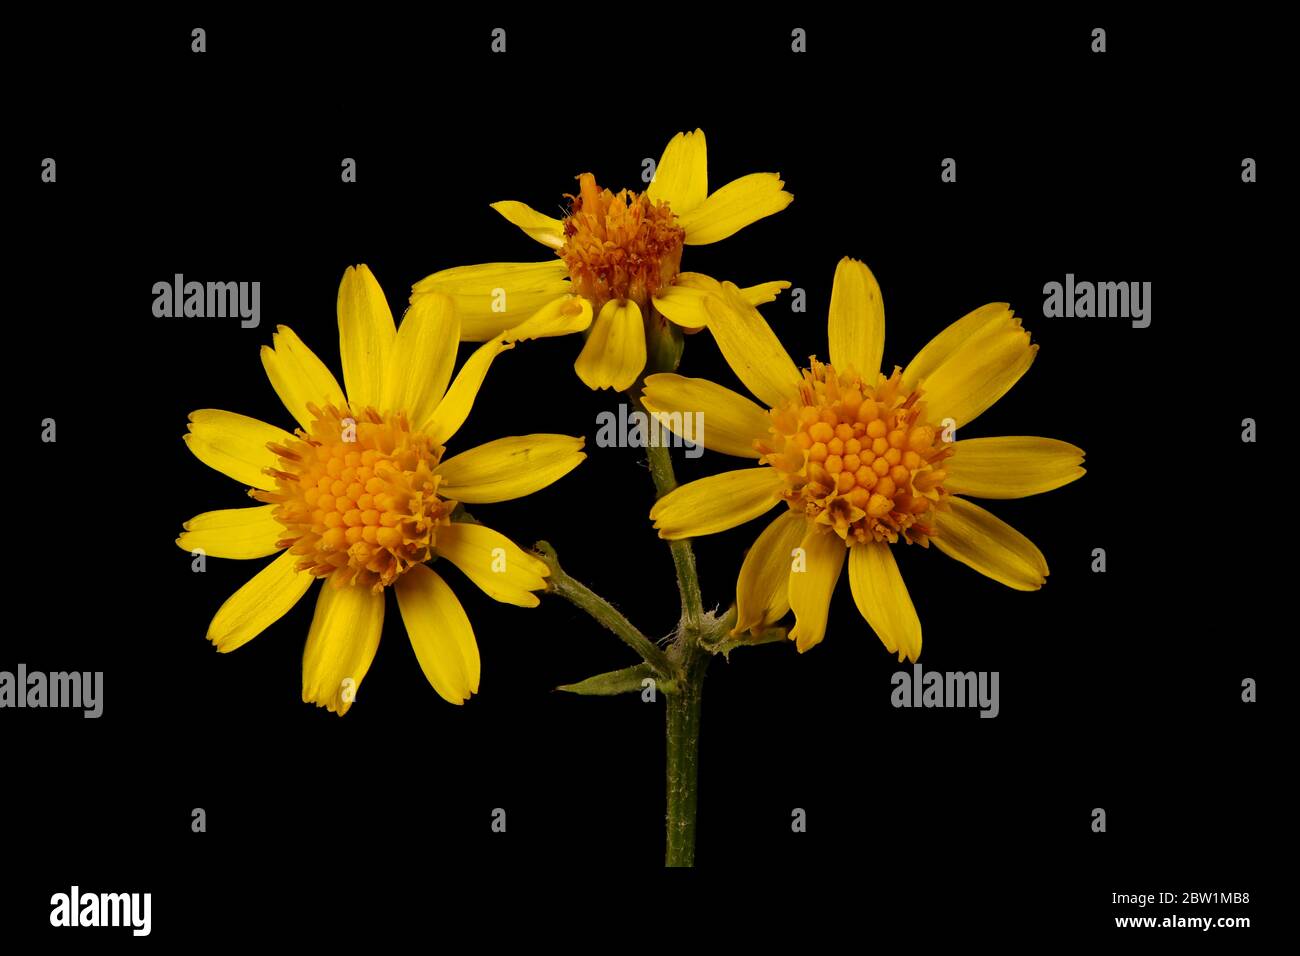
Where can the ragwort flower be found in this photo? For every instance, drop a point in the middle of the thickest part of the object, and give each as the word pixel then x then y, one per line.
pixel 620 254
pixel 361 495
pixel 861 459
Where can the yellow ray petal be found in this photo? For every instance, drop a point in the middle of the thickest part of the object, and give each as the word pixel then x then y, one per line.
pixel 508 468
pixel 1011 467
pixel 988 544
pixel 730 421
pixel 881 596
pixel 857 320
pixel 733 207
pixel 366 333
pixel 545 229
pixel 233 533
pixel 263 600
pixel 440 634
pixel 235 445
pixel 298 376
pixel 979 372
pixel 562 316
pixel 683 302
pixel 420 364
pixel 717 503
pixel 614 354
pixel 503 570
pixel 494 296
pixel 940 348
pixel 764 292
pixel 682 176
pixel 751 348
pixel 683 305
pixel 811 589
pixel 341 644
pixel 762 590
pixel 459 400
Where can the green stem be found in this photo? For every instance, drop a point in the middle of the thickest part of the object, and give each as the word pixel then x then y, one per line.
pixel 581 596
pixel 683 761
pixel 688 582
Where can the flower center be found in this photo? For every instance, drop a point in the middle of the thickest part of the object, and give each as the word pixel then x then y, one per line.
pixel 357 496
pixel 859 458
pixel 619 246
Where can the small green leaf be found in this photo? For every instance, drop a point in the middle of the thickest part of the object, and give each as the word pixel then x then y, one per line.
pixel 625 681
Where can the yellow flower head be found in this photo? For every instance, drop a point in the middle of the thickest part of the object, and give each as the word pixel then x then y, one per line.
pixel 863 460
pixel 362 494
pixel 619 254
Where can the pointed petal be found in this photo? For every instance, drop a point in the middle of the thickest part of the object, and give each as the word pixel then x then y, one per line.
pixel 422 357
pixel 762 590
pixel 495 296
pixel 440 634
pixel 1011 467
pixel 752 350
pixel 545 229
pixel 501 569
pixel 881 596
pixel 981 540
pixel 682 176
pixel 811 589
pixel 728 422
pixel 733 207
pixel 298 376
pixel 268 596
pixel 235 445
pixel 366 334
pixel 717 503
pixel 341 645
pixel 233 533
pixel 857 320
pixel 508 468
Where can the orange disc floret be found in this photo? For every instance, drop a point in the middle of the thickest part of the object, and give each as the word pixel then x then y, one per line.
pixel 859 457
pixel 619 246
pixel 357 496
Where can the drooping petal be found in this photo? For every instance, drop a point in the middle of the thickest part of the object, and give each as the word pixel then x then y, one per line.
pixel 811 589
pixel 547 230
pixel 268 596
pixel 562 316
pixel 881 595
pixel 683 305
pixel 235 445
pixel 366 334
pixel 751 348
pixel 508 468
pixel 456 404
pixel 503 570
pixel 980 540
pixel 682 176
pixel 298 376
pixel 614 354
pixel 762 590
pixel 717 417
pixel 857 320
pixel 495 296
pixel 233 533
pixel 1011 467
pixel 717 503
pixel 341 645
pixel 940 348
pixel 733 207
pixel 422 358
pixel 440 633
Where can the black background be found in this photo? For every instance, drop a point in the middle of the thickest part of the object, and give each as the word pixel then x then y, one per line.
pixel 1118 690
